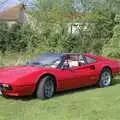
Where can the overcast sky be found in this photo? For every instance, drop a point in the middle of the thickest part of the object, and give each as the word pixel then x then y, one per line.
pixel 9 3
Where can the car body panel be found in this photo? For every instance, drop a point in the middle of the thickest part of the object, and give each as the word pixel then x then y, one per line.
pixel 24 79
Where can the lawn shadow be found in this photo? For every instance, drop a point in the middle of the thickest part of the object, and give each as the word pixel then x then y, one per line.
pixel 29 98
pixel 24 98
pixel 116 81
pixel 72 91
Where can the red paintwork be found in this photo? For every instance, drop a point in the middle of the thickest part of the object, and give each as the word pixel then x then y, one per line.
pixel 24 79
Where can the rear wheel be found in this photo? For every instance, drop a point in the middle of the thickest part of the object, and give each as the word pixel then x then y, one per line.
pixel 105 78
pixel 45 88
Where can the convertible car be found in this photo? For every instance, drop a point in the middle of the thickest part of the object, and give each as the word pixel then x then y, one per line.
pixel 52 72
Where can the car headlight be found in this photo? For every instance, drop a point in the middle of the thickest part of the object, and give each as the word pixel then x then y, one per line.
pixel 6 87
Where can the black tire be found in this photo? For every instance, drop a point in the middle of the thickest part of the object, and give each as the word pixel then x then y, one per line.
pixel 43 92
pixel 105 78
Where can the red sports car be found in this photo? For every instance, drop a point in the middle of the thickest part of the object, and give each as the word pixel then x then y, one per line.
pixel 50 73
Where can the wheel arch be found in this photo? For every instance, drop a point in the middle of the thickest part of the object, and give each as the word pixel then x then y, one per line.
pixel 107 67
pixel 42 76
pixel 103 68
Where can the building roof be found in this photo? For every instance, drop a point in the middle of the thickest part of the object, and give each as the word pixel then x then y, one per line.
pixel 12 14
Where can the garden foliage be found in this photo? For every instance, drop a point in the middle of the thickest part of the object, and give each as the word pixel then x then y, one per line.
pixel 98 31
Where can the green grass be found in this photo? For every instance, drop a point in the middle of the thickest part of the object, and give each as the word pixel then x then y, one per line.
pixel 84 104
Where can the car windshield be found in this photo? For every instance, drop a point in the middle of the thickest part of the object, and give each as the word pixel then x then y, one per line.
pixel 46 60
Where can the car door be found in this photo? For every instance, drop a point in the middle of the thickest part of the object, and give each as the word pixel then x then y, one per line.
pixel 85 75
pixel 89 68
pixel 68 77
pixel 77 76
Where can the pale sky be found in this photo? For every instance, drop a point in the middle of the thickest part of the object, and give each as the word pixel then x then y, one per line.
pixel 4 4
pixel 9 3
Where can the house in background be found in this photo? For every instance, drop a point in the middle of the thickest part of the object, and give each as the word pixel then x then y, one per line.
pixel 13 15
pixel 20 14
pixel 75 26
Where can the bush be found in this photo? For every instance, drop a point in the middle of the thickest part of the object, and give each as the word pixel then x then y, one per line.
pixel 112 48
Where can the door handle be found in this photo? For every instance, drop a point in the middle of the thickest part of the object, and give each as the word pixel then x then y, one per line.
pixel 92 67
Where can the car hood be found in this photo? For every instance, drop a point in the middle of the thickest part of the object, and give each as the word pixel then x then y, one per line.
pixel 11 74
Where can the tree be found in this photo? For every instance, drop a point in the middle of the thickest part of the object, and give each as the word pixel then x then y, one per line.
pixel 4 37
pixel 55 15
pixel 51 18
pixel 112 48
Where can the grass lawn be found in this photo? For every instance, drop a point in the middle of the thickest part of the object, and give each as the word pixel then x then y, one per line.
pixel 84 104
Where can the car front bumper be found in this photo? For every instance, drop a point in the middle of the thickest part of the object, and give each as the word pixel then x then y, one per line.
pixel 23 90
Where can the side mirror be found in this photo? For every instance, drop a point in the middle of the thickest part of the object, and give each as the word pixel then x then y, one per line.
pixel 92 67
pixel 65 66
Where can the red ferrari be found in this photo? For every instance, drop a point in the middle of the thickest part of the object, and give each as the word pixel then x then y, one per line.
pixel 50 73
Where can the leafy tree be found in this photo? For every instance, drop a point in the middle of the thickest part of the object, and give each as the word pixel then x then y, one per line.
pixel 112 48
pixel 3 37
pixel 49 31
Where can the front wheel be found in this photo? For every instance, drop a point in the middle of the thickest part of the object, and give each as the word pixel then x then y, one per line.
pixel 105 78
pixel 45 88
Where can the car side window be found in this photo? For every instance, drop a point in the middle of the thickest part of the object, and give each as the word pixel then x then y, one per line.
pixel 82 60
pixel 90 60
pixel 72 61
